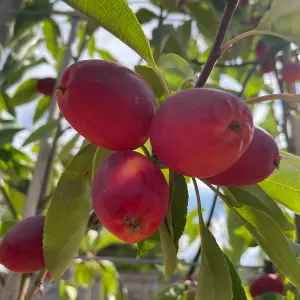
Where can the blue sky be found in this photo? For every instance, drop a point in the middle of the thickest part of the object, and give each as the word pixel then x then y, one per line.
pixel 129 58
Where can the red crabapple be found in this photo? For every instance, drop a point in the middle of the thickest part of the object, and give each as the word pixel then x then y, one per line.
pixel 107 103
pixel 22 248
pixel 201 132
pixel 130 196
pixel 258 162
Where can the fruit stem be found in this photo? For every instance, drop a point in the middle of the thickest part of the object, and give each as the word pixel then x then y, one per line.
pixel 289 97
pixel 146 152
pixel 40 278
pixel 216 50
pixel 200 216
pixel 163 81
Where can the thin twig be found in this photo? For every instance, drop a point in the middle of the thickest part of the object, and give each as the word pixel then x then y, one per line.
pixel 37 284
pixel 216 50
pixel 289 97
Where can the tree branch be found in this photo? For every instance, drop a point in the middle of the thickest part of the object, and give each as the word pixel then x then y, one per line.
pixel 216 50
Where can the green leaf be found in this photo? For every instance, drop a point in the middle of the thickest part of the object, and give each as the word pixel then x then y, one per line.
pixel 237 286
pixel 150 76
pixel 83 274
pixel 8 130
pixel 92 46
pixel 117 18
pixel 284 184
pixel 169 250
pixel 52 36
pixel 175 69
pixel 254 196
pixel 145 15
pixel 106 55
pixel 179 206
pixel 214 281
pixel 41 132
pixel 25 93
pixel 68 213
pixel 271 239
pixel 5 103
pixel 41 108
pixel 6 226
pixel 270 296
pixel 146 245
pixel 274 21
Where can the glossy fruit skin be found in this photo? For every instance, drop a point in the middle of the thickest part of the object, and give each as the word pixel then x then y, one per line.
pixel 267 283
pixel 290 73
pixel 107 103
pixel 46 86
pixel 191 133
pixel 257 163
pixel 129 190
pixel 267 65
pixel 22 248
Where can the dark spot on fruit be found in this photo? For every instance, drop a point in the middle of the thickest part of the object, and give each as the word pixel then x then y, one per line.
pixel 234 126
pixel 61 88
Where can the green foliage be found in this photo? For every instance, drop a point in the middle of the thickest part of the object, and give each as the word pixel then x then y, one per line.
pixel 283 184
pixel 274 21
pixel 114 17
pixel 68 213
pixel 214 281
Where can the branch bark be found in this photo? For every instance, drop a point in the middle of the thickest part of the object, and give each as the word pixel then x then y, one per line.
pixel 216 50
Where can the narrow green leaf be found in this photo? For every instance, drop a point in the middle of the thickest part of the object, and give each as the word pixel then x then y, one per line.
pixel 41 132
pixel 284 184
pixel 117 18
pixel 68 213
pixel 106 55
pixel 150 76
pixel 5 103
pixel 179 206
pixel 8 130
pixel 237 285
pixel 274 21
pixel 41 108
pixel 25 93
pixel 52 36
pixel 169 250
pixel 254 196
pixel 271 239
pixel 145 15
pixel 214 281
pixel 146 245
pixel 92 46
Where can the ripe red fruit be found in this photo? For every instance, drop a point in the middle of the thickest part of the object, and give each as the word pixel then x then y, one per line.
pixel 46 86
pixel 268 65
pixel 256 164
pixel 22 248
pixel 266 283
pixel 107 103
pixel 201 132
pixel 130 196
pixel 291 72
